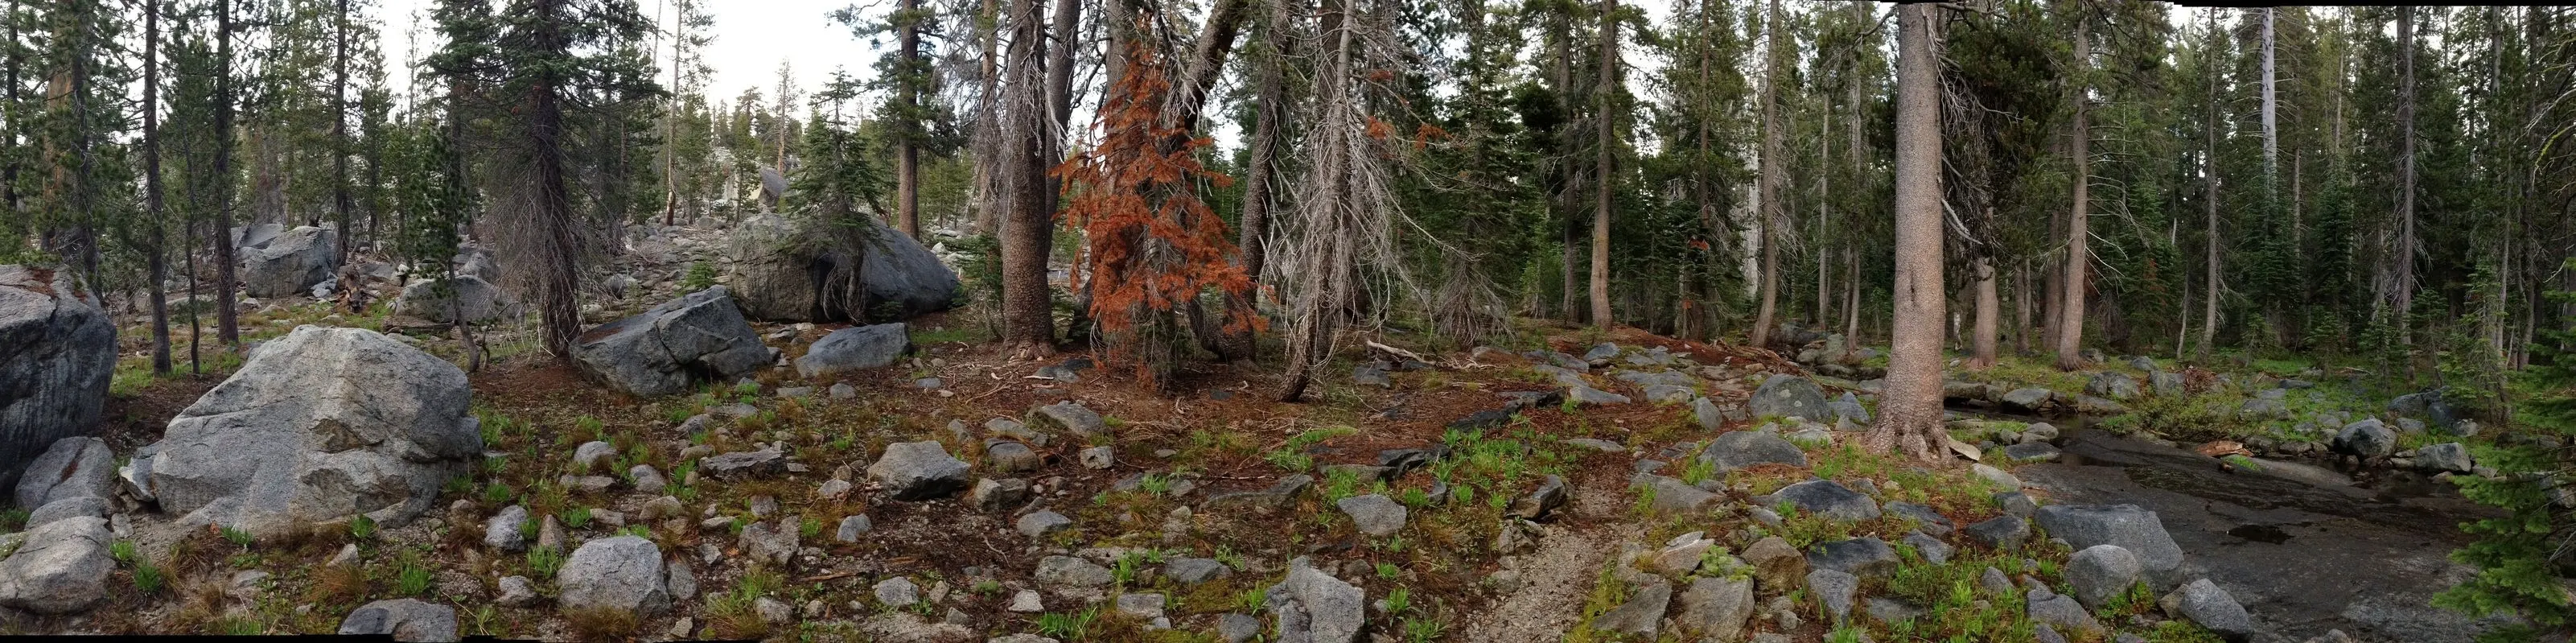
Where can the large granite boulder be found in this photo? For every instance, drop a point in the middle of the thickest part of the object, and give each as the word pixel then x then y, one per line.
pixel 1311 605
pixel 57 351
pixel 72 468
pixel 621 576
pixel 674 346
pixel 789 269
pixel 447 300
pixel 290 263
pixel 319 426
pixel 1790 396
pixel 2367 438
pixel 855 348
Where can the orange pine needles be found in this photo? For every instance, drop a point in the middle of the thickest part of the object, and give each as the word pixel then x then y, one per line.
pixel 1152 246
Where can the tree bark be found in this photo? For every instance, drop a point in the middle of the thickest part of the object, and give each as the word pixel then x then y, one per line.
pixel 227 319
pixel 158 261
pixel 2209 157
pixel 2404 253
pixel 1982 335
pixel 2070 337
pixel 1909 409
pixel 1768 187
pixel 1609 81
pixel 907 157
pixel 556 263
pixel 1028 230
pixel 340 129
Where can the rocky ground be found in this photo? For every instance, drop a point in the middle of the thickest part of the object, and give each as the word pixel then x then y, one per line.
pixel 694 475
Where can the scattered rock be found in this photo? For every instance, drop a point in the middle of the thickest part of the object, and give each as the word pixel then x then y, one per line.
pixel 622 575
pixel 2117 386
pixel 1931 521
pixel 2129 526
pixel 1827 498
pixel 855 348
pixel 2367 438
pixel 76 467
pixel 2203 603
pixel 1668 496
pixel 1862 557
pixel 1192 571
pixel 404 619
pixel 744 465
pixel 1098 458
pixel 2029 400
pixel 913 471
pixel 1932 549
pixel 1314 606
pixel 2006 532
pixel 763 543
pixel 2031 452
pixel 1041 523
pixel 589 455
pixel 1716 608
pixel 2448 456
pixel 1539 503
pixel 1643 614
pixel 2101 573
pixel 1743 449
pixel 1833 589
pixel 997 495
pixel 851 527
pixel 1374 514
pixel 501 531
pixel 289 263
pixel 1005 456
pixel 1068 571
pixel 1069 416
pixel 2061 612
pixel 517 591
pixel 1586 395
pixel 897 592
pixel 444 301
pixel 1789 396
pixel 1776 565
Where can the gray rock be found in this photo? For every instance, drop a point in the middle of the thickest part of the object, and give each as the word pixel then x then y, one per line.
pixel 1316 607
pixel 1743 449
pixel 1539 503
pixel 2006 532
pixel 1933 550
pixel 60 567
pixel 1833 589
pixel 851 527
pixel 1597 444
pixel 2264 409
pixel 1862 557
pixel 589 455
pixel 1040 523
pixel 1776 565
pixel 501 531
pixel 1068 571
pixel 78 467
pixel 855 348
pixel 2447 456
pixel 2000 477
pixel 997 495
pixel 2129 526
pixel 1098 458
pixel 517 591
pixel 2166 383
pixel 2016 503
pixel 1891 611
pixel 2031 399
pixel 678 580
pixel 621 575
pixel 764 543
pixel 1672 496
pixel 1642 615
pixel 72 507
pixel 1192 571
pixel 2203 603
pixel 2114 385
pixel 289 263
pixel 1069 416
pixel 2061 612
pixel 744 465
pixel 1827 498
pixel 2039 432
pixel 2100 573
pixel 1238 628
pixel 1710 417
pixel 318 426
pixel 1849 408
pixel 1669 394
pixel 774 611
pixel 1931 521
pixel 404 619
pixel 446 300
pixel 1004 456
pixel 913 471
pixel 1374 514
pixel 2031 452
pixel 2367 438
pixel 1716 608
pixel 1586 395
pixel 673 347
pixel 896 592
pixel 1278 494
pixel 1994 582
pixel 1790 396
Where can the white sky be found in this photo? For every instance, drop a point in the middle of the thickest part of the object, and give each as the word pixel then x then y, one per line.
pixel 751 38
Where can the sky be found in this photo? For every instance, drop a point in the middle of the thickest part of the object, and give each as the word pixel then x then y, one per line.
pixel 751 38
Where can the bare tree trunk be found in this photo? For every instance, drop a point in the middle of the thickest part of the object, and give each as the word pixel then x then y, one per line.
pixel 1028 230
pixel 2209 293
pixel 2271 101
pixel 1824 216
pixel 2404 288
pixel 1982 338
pixel 1764 317
pixel 671 118
pixel 1851 299
pixel 159 261
pixel 340 130
pixel 2070 338
pixel 557 260
pixel 1268 109
pixel 1609 81
pixel 1570 235
pixel 907 153
pixel 1909 409
pixel 227 318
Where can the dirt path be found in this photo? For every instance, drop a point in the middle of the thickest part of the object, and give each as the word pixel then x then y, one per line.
pixel 1558 574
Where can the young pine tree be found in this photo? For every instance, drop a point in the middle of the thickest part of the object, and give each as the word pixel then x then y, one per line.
pixel 2518 555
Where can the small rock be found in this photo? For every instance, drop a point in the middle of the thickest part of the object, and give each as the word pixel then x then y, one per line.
pixel 2006 532
pixel 1862 557
pixel 1041 523
pixel 1097 458
pixel 1027 602
pixel 1833 589
pixel 403 619
pixel 2101 573
pixel 2203 603
pixel 589 455
pixel 502 530
pixel 851 527
pixel 914 471
pixel 1643 614
pixel 1374 514
pixel 897 592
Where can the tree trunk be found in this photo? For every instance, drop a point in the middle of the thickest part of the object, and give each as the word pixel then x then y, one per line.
pixel 2210 290
pixel 1824 216
pixel 557 261
pixel 2070 337
pixel 2404 253
pixel 907 157
pixel 158 260
pixel 1767 199
pixel 1608 83
pixel 340 130
pixel 1982 337
pixel 1028 230
pixel 1909 408
pixel 1570 235
pixel 1252 235
pixel 227 319
pixel 671 117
